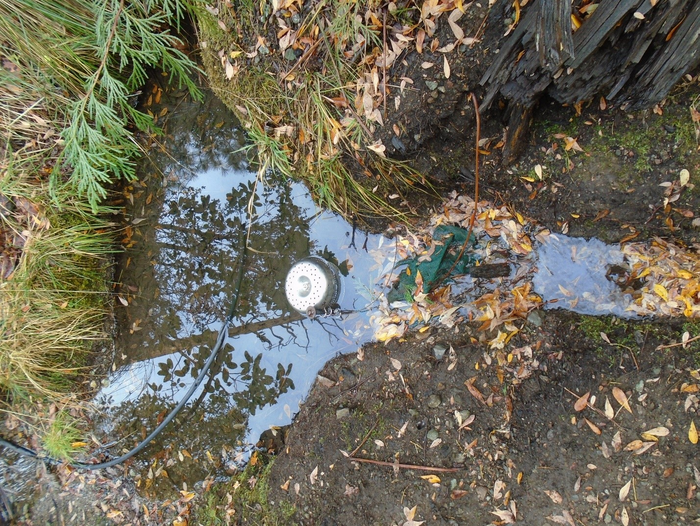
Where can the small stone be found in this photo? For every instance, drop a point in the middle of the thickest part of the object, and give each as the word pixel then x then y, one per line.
pixel 434 401
pixel 342 413
pixel 608 518
pixel 481 492
pixel 535 318
pixel 439 351
pixel 432 434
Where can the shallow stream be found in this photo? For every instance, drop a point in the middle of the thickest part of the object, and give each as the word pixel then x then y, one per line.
pixel 184 225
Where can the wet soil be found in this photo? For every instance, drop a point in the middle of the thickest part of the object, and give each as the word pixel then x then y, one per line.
pixel 528 456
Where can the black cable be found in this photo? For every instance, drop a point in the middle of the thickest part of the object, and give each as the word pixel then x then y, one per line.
pixel 215 351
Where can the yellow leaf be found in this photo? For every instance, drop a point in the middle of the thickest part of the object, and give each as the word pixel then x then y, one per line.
pixel 658 432
pixel 78 444
pixel 433 479
pixel 661 291
pixel 114 513
pixel 621 398
pixel 187 495
pixel 693 433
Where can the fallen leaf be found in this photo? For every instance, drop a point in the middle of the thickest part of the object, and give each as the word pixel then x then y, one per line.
pixel 378 148
pixel 314 475
pixel 609 411
pixel 624 490
pixel 693 433
pixel 446 67
pixel 634 445
pixel 582 402
pixel 593 427
pixel 433 479
pixel 555 496
pixel 645 447
pixel 621 398
pixel 656 432
pixel 684 177
pixel 616 442
pixel 457 494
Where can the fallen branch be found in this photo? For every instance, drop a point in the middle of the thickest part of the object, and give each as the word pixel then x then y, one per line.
pixel 364 439
pixel 686 342
pixel 403 466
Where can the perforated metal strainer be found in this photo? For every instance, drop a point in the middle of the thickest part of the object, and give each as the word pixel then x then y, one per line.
pixel 314 283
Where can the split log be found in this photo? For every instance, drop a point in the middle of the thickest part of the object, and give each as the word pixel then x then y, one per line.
pixel 630 51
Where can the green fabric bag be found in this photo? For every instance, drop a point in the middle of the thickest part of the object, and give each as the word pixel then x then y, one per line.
pixel 447 241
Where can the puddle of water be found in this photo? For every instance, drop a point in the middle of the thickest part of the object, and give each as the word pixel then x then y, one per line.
pixel 178 273
pixel 572 273
pixel 183 239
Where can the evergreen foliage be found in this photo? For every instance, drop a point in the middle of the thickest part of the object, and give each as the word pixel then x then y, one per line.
pixel 93 55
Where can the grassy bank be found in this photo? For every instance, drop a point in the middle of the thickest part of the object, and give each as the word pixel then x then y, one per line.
pixel 68 75
pixel 310 95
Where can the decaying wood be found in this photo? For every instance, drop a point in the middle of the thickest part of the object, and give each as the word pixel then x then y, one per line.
pixel 630 51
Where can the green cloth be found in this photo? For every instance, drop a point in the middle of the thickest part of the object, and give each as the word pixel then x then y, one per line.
pixel 447 241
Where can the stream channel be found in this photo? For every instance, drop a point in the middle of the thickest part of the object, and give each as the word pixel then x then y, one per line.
pixel 182 238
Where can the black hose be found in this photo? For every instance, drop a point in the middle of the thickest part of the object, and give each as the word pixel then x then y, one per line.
pixel 215 351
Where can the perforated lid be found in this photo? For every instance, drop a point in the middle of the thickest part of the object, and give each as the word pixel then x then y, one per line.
pixel 307 285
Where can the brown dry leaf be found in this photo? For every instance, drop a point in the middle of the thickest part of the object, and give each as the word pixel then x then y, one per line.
pixel 645 447
pixel 621 398
pixel 624 490
pixel 505 515
pixel 474 391
pixel 555 496
pixel 593 427
pixel 634 445
pixel 564 518
pixel 582 402
pixel 409 514
pixel 571 144
pixel 656 432
pixel 457 494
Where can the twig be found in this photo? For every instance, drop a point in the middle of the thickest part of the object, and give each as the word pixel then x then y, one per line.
pixel 403 466
pixel 302 59
pixel 689 340
pixel 364 439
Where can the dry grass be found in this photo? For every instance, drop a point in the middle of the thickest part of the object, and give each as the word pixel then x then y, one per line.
pixel 300 114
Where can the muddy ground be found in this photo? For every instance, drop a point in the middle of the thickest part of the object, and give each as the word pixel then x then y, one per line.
pixel 478 441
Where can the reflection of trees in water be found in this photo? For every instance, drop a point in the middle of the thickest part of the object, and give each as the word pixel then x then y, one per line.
pixel 198 136
pixel 184 270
